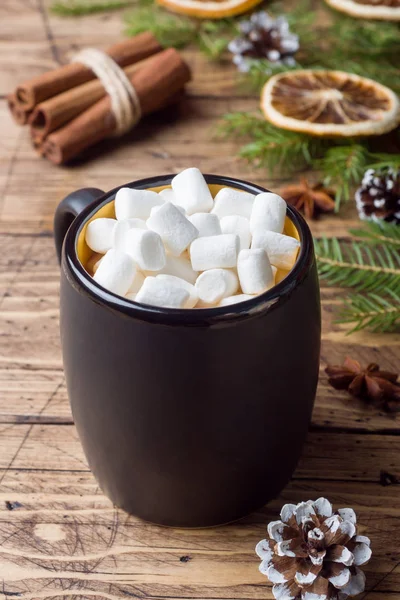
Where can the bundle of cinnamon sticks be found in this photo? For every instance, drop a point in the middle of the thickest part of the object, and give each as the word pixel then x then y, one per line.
pixel 68 109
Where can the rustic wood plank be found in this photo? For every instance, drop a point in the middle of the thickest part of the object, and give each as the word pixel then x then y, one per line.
pixel 58 531
pixel 326 455
pixel 22 34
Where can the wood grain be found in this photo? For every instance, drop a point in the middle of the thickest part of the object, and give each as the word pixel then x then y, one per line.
pixel 59 536
pixel 327 455
pixel 59 533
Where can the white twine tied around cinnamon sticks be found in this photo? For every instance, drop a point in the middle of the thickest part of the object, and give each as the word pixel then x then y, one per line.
pixel 125 103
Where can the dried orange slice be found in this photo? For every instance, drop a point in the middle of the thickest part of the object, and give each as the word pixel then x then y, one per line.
pixel 209 9
pixel 329 103
pixel 386 10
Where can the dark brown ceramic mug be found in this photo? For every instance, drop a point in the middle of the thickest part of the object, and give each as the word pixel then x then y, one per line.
pixel 188 418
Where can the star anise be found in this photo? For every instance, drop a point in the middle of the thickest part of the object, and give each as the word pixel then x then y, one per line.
pixel 311 199
pixel 370 383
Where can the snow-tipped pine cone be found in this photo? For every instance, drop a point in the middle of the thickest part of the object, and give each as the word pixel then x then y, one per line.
pixel 314 553
pixel 378 196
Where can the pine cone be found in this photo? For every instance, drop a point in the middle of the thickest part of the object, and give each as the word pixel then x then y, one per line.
pixel 378 197
pixel 264 37
pixel 313 553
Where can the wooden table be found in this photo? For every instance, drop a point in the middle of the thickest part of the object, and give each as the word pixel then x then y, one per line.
pixel 59 536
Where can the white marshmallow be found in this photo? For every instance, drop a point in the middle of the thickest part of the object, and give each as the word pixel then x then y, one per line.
pixel 179 266
pixel 269 213
pixel 175 230
pixel 254 270
pixel 181 283
pixel 281 249
pixel 229 202
pixel 239 225
pixel 146 249
pixel 137 282
pixel 213 252
pixel 235 299
pixel 274 272
pixel 100 234
pixel 168 195
pixel 122 228
pixel 206 224
pixel 130 203
pixel 191 191
pixel 115 272
pixel 156 208
pixel 215 284
pixel 156 292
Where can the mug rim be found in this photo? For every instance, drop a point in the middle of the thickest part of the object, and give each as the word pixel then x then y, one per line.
pixel 196 316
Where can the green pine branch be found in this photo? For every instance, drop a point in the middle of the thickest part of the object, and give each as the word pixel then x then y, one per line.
pixel 386 161
pixel 343 167
pixel 370 267
pixel 376 41
pixel 271 147
pixel 213 37
pixel 169 29
pixel 380 233
pixel 356 265
pixel 260 71
pixel 377 313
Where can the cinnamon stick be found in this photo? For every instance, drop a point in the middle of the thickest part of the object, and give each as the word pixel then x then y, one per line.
pixel 19 115
pixel 69 76
pixel 55 112
pixel 155 83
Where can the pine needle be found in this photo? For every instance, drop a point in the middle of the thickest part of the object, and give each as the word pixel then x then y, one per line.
pixel 77 8
pixel 170 30
pixel 271 148
pixel 380 233
pixel 385 161
pixel 359 266
pixel 260 71
pixel 377 313
pixel 213 37
pixel 343 167
pixel 371 267
pixel 374 38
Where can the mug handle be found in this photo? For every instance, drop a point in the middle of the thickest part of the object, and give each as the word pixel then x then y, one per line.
pixel 68 209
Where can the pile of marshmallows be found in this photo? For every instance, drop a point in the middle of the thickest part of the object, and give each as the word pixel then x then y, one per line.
pixel 181 249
